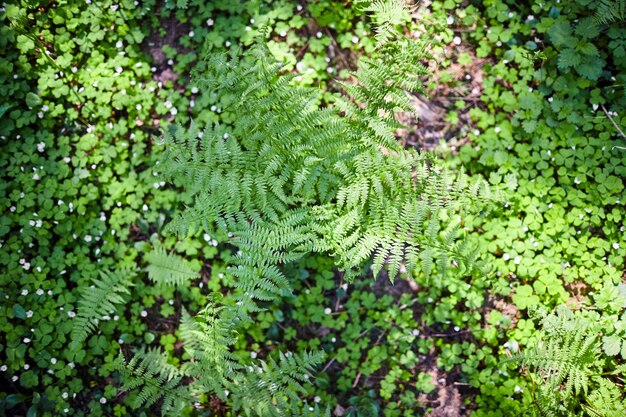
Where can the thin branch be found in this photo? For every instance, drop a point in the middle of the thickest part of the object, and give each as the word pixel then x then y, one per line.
pixel 614 124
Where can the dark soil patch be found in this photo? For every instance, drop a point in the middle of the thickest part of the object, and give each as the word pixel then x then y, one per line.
pixel 171 30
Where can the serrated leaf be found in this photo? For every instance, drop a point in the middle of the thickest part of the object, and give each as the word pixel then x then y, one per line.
pixel 561 34
pixel 591 69
pixel 611 345
pixel 588 28
pixel 568 58
pixel 589 49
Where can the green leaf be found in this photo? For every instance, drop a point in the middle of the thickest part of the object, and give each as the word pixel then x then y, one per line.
pixel 561 34
pixel 32 100
pixel 169 269
pixel 18 311
pixel 568 58
pixel 611 345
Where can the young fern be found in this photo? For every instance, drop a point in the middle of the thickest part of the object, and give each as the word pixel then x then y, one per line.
pixel 153 379
pixel 169 269
pixel 610 11
pixel 568 371
pixel 99 300
pixel 272 388
pixel 568 355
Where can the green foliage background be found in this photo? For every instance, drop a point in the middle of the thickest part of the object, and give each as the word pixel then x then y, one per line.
pixel 86 88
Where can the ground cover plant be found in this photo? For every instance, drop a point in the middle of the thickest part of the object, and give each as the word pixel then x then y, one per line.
pixel 128 266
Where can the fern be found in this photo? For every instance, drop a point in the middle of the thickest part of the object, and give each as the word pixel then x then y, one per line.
pixel 208 338
pixel 99 300
pixel 568 354
pixel 570 377
pixel 610 11
pixel 153 380
pixel 288 178
pixel 275 384
pixel 168 269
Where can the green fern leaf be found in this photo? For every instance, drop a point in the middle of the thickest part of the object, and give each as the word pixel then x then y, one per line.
pixel 169 269
pixel 98 300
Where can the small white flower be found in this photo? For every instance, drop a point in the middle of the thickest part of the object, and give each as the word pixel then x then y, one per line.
pixel 3 368
pixel 615 246
pixel 27 367
pixel 41 147
pixel 39 292
pixel 450 20
pixel 355 39
pixel 497 129
pixel 518 389
pixel 194 90
pixel 64 395
pixel 327 310
pixel 576 181
pixel 143 313
pixel 457 40
pixel 210 22
pixel 253 355
pixel 191 34
pixel 88 238
pixel 29 313
pixel 317 399
pixel 71 314
pixel 53 361
pixel 138 106
pixel 227 44
pixel 283 33
pixel 517 260
pixel 26 340
pixel 25 292
pixel 71 365
pixel 506 256
pixel 103 400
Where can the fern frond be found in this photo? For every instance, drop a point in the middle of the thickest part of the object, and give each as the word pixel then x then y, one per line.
pixel 610 11
pixel 272 388
pixel 568 352
pixel 152 379
pixel 208 338
pixel 168 269
pixel 606 401
pixel 98 300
